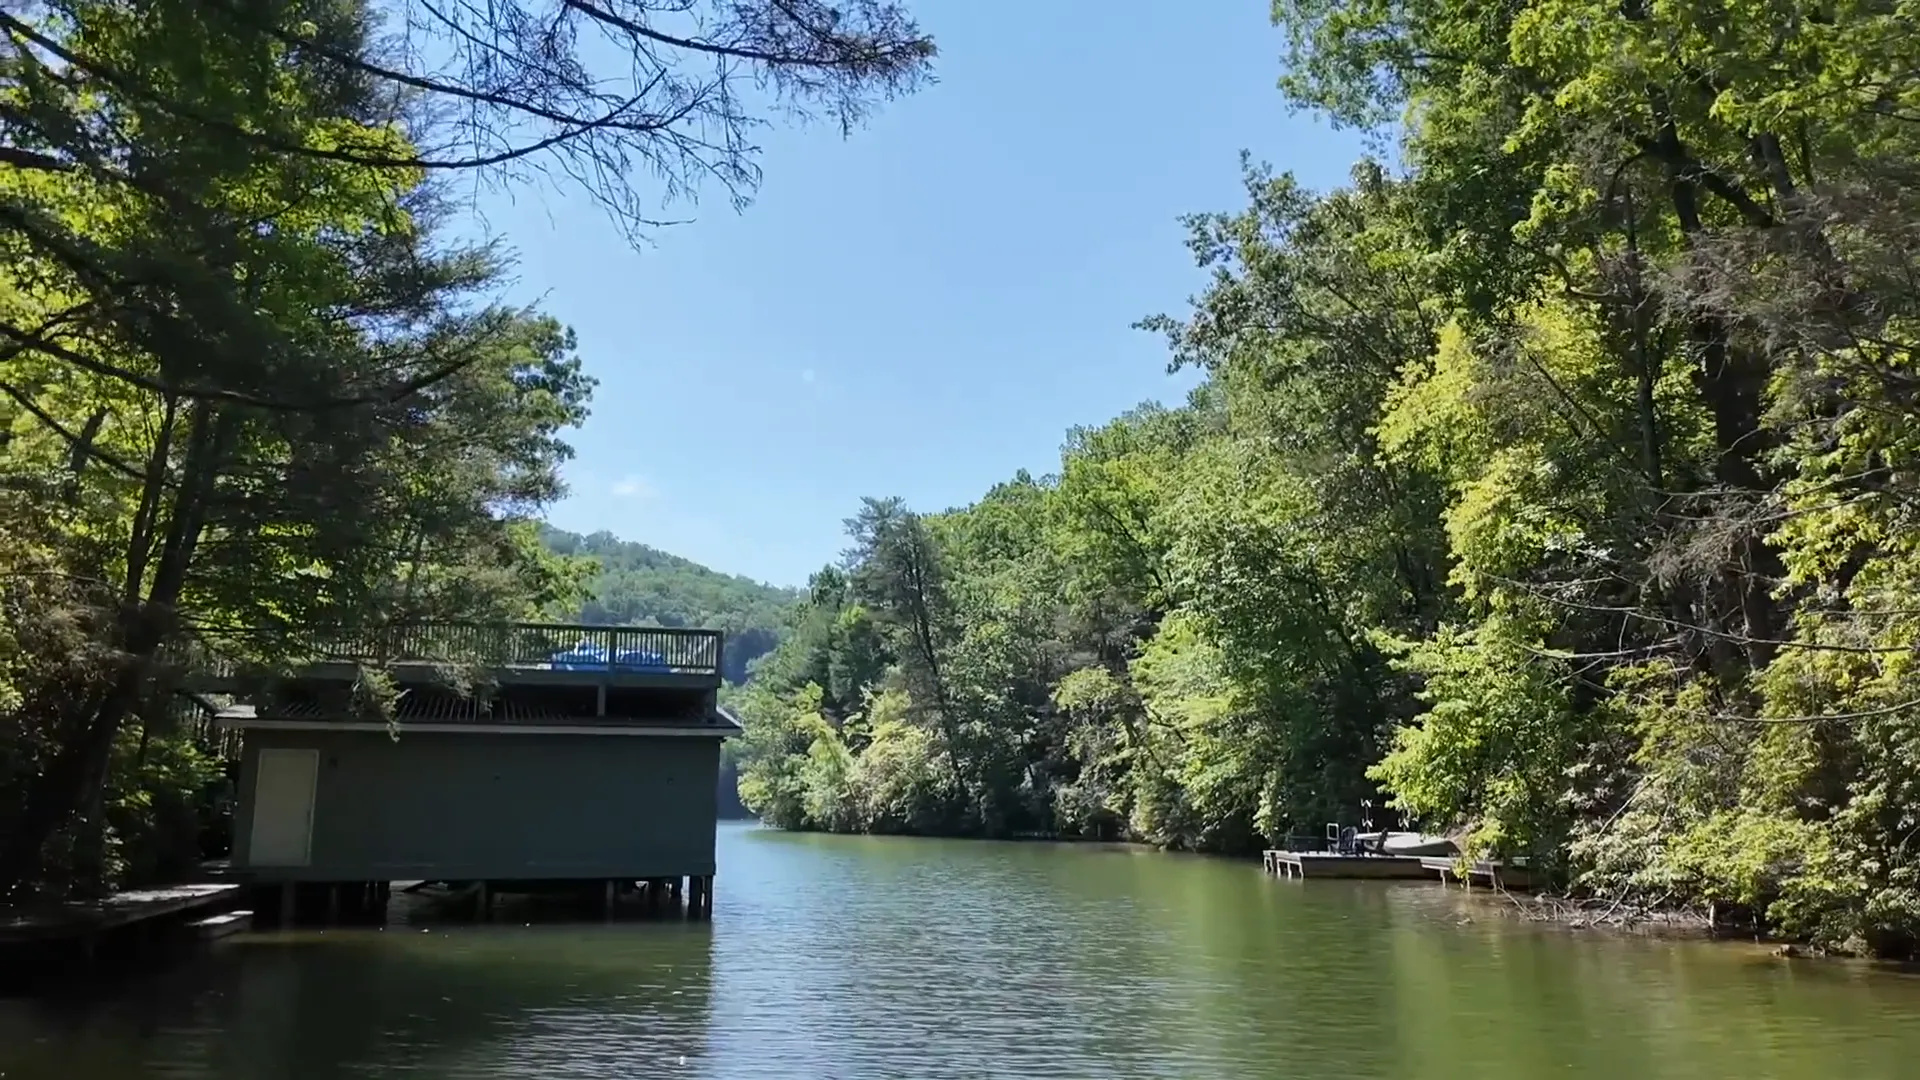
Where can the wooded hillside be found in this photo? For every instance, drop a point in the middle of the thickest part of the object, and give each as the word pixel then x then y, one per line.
pixel 1559 489
pixel 634 583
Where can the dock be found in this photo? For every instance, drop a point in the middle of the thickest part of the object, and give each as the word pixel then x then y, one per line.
pixel 43 944
pixel 1492 873
pixel 57 922
pixel 1328 864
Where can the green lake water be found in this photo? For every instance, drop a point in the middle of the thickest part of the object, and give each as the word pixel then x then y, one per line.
pixel 854 958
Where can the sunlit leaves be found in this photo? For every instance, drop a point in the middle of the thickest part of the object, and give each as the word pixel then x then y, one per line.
pixel 1558 488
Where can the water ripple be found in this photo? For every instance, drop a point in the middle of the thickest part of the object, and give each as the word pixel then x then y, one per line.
pixel 882 959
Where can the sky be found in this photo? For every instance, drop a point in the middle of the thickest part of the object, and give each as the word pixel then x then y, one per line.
pixel 925 307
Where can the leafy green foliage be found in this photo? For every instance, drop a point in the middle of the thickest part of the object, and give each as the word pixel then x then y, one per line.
pixel 1556 493
pixel 260 390
pixel 245 376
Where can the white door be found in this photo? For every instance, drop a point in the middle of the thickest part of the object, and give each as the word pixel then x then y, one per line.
pixel 283 785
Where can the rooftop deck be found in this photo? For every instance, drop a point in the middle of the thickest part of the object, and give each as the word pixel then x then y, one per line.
pixel 479 717
pixel 527 653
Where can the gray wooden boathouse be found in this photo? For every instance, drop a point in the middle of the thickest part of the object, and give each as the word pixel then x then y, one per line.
pixel 517 757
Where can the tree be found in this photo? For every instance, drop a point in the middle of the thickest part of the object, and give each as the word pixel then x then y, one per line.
pixel 593 91
pixel 1558 489
pixel 897 576
pixel 1665 238
pixel 235 348
pixel 262 389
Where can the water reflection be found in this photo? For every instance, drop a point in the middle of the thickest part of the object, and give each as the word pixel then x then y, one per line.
pixel 862 959
pixel 1520 1000
pixel 481 1001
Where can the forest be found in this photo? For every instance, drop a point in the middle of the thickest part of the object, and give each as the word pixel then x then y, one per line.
pixel 257 371
pixel 1552 484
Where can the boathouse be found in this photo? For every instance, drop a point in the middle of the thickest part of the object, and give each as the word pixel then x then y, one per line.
pixel 515 755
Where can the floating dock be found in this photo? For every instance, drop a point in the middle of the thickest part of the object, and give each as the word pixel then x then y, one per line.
pixel 1327 864
pixel 70 922
pixel 41 944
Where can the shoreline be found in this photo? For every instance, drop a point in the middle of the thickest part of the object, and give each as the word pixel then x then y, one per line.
pixel 1607 918
pixel 979 838
pixel 1615 919
pixel 1569 913
pixel 1573 915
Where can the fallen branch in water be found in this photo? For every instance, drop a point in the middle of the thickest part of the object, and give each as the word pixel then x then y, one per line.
pixel 1616 912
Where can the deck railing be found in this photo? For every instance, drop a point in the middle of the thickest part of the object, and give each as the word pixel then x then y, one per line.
pixel 550 646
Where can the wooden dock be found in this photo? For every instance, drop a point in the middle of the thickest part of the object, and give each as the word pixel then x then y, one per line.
pixel 1487 872
pixel 57 922
pixel 43 946
pixel 1327 864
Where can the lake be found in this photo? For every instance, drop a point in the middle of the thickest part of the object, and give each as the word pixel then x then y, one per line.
pixel 856 957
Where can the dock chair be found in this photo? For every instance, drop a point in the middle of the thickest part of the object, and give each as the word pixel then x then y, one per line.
pixel 1341 841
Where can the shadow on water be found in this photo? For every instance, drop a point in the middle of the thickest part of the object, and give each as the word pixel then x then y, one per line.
pixel 449 999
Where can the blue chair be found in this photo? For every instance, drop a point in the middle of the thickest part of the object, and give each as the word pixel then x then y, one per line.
pixel 582 657
pixel 590 657
pixel 640 660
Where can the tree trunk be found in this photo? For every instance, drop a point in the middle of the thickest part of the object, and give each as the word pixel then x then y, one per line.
pixel 1733 381
pixel 79 767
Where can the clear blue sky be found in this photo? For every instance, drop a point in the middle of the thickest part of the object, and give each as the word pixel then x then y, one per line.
pixel 925 307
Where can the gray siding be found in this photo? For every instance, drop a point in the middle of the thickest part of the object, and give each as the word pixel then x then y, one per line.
pixel 446 806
